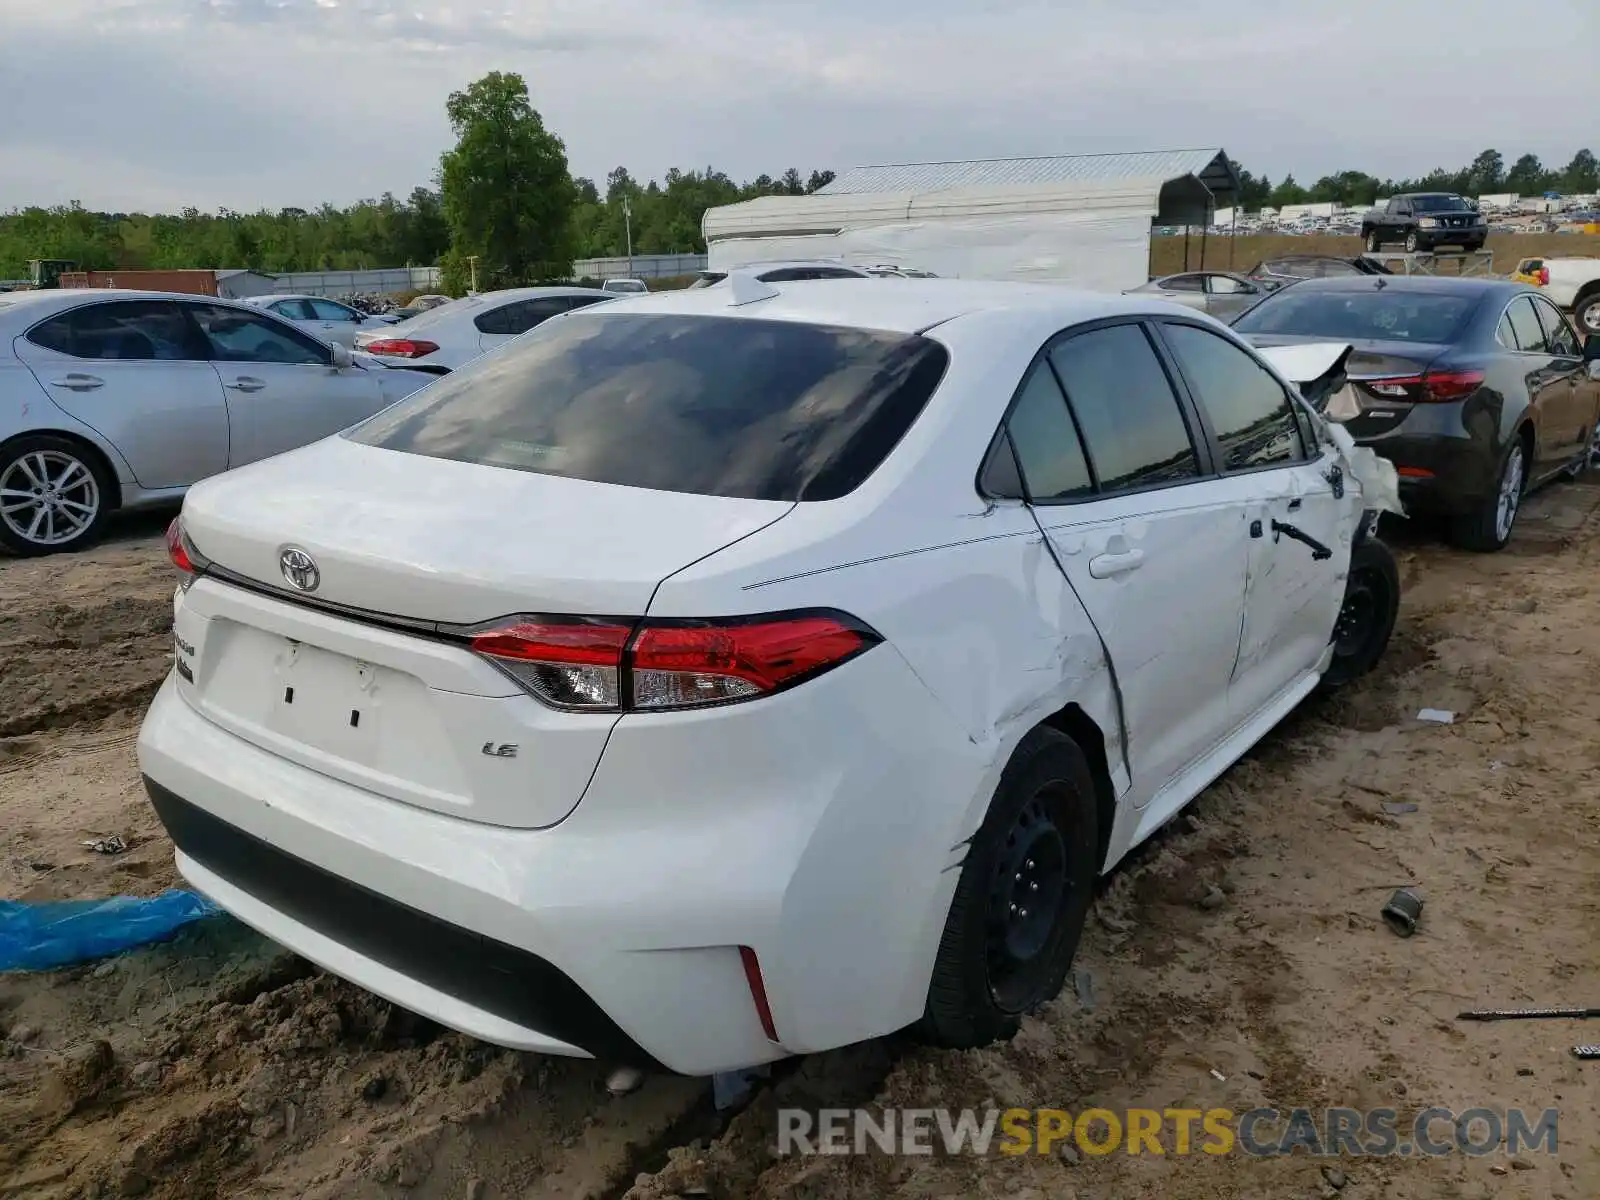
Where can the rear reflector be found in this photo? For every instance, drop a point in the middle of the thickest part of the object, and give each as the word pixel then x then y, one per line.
pixel 758 991
pixel 654 666
pixel 399 347
pixel 1413 472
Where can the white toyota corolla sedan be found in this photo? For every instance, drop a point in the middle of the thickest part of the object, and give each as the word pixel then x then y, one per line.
pixel 753 670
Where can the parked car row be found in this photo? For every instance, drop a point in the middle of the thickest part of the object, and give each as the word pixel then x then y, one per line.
pixel 120 400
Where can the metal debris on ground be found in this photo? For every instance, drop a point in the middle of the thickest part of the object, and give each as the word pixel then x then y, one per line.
pixel 1586 1052
pixel 1403 912
pixel 110 845
pixel 1218 1076
pixel 1528 1014
pixel 1398 808
pixel 1437 716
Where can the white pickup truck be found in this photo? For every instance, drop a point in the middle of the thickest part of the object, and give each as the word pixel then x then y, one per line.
pixel 1573 283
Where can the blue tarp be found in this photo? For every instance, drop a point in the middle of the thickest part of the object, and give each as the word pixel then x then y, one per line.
pixel 58 933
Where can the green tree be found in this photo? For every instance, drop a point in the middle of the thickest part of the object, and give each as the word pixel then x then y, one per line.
pixel 1486 174
pixel 507 196
pixel 1527 176
pixel 1582 174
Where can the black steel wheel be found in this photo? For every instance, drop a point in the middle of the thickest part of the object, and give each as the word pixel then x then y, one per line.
pixel 1366 618
pixel 1022 897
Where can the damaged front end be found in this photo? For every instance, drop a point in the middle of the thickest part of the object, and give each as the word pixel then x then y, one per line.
pixel 1318 370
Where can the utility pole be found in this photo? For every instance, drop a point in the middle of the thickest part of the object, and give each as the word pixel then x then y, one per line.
pixel 472 265
pixel 627 223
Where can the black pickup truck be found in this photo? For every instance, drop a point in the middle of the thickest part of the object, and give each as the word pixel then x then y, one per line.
pixel 1425 220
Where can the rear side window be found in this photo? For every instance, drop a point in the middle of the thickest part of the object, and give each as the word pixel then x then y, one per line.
pixel 1125 406
pixel 1049 453
pixel 1249 411
pixel 1525 325
pixel 124 329
pixel 1558 334
pixel 716 406
pixel 1182 283
pixel 521 315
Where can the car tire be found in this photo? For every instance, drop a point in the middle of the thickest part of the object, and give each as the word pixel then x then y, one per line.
pixel 1586 312
pixel 1413 243
pixel 1488 527
pixel 30 467
pixel 1039 841
pixel 1374 242
pixel 1367 616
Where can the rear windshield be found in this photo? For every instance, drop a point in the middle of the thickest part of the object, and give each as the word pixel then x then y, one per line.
pixel 718 406
pixel 709 279
pixel 1360 315
pixel 1439 204
pixel 439 313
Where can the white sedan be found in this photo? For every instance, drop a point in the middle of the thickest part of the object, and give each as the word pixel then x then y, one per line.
pixel 120 399
pixel 317 315
pixel 750 671
pixel 452 335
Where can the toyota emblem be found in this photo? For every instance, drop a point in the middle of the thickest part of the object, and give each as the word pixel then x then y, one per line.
pixel 300 569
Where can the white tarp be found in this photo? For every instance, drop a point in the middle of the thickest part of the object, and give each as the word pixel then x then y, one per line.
pixel 1093 236
pixel 1089 250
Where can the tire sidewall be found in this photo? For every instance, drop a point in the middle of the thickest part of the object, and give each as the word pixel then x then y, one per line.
pixel 1479 530
pixel 1369 556
pixel 1587 313
pixel 961 1010
pixel 30 443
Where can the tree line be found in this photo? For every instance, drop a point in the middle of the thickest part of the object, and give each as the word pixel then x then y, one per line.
pixel 1486 175
pixel 504 201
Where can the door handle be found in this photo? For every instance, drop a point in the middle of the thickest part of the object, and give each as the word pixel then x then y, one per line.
pixel 246 383
pixel 1294 505
pixel 75 382
pixel 1104 566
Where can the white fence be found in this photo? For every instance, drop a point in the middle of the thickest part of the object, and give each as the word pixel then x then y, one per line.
pixel 383 281
pixel 640 266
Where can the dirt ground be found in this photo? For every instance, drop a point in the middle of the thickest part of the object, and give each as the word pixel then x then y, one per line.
pixel 217 1065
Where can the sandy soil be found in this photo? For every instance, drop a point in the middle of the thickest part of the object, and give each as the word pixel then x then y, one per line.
pixel 216 1065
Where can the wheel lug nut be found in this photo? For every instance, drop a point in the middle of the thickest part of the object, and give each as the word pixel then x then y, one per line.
pixel 1013 908
pixel 1023 913
pixel 1033 887
pixel 1030 864
pixel 1018 876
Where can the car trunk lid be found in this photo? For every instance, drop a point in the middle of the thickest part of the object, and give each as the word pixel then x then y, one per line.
pixel 1384 378
pixel 366 676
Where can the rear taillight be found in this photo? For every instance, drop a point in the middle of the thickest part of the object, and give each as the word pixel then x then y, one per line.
pixel 655 666
pixel 177 547
pixel 1544 276
pixel 1434 387
pixel 399 347
pixel 567 664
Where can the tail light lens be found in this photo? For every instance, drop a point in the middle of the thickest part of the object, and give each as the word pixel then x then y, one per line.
pixel 399 347
pixel 1544 276
pixel 567 664
pixel 1435 387
pixel 182 552
pixel 657 666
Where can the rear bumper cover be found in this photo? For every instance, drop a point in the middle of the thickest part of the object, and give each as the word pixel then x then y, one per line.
pixel 482 975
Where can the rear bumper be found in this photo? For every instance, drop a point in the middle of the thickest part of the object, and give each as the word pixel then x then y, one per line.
pixel 784 826
pixel 1460 466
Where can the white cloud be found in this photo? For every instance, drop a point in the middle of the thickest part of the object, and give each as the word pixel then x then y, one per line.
pixel 263 103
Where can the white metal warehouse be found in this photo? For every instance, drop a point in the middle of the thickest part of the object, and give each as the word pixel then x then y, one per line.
pixel 1083 219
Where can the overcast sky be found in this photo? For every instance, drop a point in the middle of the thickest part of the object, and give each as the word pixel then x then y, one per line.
pixel 159 104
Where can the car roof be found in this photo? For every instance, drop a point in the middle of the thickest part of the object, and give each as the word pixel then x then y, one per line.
pixel 1433 284
pixel 910 306
pixel 274 297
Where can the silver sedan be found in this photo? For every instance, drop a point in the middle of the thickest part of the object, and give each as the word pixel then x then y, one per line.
pixel 1220 293
pixel 120 400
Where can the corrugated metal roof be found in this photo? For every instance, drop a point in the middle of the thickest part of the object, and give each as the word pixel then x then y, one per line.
pixel 1210 165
